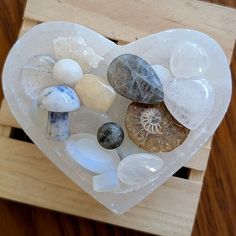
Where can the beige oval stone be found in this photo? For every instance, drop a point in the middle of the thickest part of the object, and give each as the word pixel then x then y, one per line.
pixel 95 92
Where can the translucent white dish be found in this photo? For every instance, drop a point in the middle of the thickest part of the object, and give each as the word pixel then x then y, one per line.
pixel 156 50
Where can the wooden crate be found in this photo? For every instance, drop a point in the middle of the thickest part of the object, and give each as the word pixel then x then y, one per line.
pixel 27 176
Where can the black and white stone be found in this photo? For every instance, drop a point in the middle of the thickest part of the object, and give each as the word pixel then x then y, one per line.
pixel 132 77
pixel 110 135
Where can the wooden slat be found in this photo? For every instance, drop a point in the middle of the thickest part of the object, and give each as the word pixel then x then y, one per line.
pixel 129 20
pixel 27 24
pixel 28 176
pixel 199 160
pixel 196 175
pixel 5 131
pixel 6 117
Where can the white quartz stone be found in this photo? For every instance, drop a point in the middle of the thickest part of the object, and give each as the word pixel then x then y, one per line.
pixel 188 59
pixel 36 75
pixel 67 71
pixel 139 168
pixel 163 74
pixel 189 101
pixel 106 182
pixel 75 47
pixel 87 152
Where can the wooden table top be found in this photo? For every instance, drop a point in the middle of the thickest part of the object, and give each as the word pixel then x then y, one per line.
pixel 217 209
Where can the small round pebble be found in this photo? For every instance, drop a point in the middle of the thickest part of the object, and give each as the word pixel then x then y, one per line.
pixel 110 135
pixel 67 71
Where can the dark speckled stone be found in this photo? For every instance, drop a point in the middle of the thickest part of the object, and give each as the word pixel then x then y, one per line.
pixel 132 77
pixel 110 135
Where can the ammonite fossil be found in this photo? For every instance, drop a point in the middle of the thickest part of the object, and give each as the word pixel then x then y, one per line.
pixel 153 128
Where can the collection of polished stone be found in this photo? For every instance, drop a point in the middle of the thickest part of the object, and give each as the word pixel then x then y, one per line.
pixel 164 106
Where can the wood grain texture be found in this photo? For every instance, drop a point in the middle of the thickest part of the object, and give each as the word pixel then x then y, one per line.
pixel 11 12
pixel 129 20
pixel 216 215
pixel 28 176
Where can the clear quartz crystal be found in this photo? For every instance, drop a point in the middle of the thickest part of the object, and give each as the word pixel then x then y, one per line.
pixel 36 75
pixel 189 101
pixel 188 59
pixel 75 47
pixel 85 120
pixel 139 168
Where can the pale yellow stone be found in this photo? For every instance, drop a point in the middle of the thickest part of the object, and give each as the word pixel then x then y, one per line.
pixel 95 92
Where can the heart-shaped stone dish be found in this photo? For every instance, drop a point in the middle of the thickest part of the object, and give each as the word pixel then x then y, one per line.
pixel 155 49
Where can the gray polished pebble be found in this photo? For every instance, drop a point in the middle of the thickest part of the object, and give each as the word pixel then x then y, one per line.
pixel 132 77
pixel 110 135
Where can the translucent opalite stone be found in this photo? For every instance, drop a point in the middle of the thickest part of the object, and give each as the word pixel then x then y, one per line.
pixel 189 101
pixel 106 182
pixel 139 168
pixel 87 152
pixel 188 59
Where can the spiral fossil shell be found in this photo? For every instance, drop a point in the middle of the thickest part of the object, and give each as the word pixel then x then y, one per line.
pixel 153 128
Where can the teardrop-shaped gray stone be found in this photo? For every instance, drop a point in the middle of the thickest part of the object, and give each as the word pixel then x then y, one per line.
pixel 132 77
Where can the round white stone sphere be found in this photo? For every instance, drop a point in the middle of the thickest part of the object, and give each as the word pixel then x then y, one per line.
pixel 67 71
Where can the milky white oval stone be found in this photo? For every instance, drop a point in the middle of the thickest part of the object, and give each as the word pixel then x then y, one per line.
pixel 163 74
pixel 188 59
pixel 189 101
pixel 139 168
pixel 95 92
pixel 67 71
pixel 87 152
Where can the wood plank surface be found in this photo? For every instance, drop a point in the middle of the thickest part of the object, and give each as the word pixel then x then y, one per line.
pixel 216 215
pixel 24 167
pixel 129 20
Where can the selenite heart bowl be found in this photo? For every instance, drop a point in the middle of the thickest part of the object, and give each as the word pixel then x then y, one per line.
pixel 154 49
